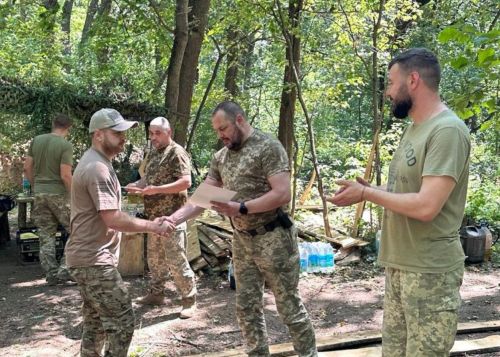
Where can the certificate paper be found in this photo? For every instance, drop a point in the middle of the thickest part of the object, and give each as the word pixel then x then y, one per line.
pixel 206 193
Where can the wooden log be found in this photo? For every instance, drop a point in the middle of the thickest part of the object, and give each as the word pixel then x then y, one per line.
pixel 131 261
pixel 198 263
pixel 214 237
pixel 192 243
pixel 223 234
pixel 209 244
pixel 212 261
pixel 217 223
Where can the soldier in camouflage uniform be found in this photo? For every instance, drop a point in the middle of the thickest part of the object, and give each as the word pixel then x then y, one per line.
pixel 424 204
pixel 48 168
pixel 94 247
pixel 255 165
pixel 164 187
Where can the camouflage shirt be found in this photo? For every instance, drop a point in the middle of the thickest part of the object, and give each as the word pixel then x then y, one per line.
pixel 246 171
pixel 165 166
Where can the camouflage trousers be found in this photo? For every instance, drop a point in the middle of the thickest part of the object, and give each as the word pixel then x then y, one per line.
pixel 169 255
pixel 49 211
pixel 108 318
pixel 420 312
pixel 273 258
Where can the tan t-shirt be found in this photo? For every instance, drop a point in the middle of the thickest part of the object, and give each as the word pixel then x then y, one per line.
pixel 95 188
pixel 437 147
pixel 246 171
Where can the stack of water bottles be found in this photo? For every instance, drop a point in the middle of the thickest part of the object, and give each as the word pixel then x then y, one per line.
pixel 316 257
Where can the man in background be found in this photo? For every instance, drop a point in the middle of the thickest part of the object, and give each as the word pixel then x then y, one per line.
pixel 48 168
pixel 164 187
pixel 94 247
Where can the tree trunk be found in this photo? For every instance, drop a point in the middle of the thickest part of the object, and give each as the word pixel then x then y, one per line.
pixel 198 18
pixel 230 81
pixel 377 113
pixel 289 91
pixel 66 26
pixel 176 58
pixel 310 129
pixel 89 20
pixel 196 120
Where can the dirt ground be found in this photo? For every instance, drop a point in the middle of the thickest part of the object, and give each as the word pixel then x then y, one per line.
pixel 40 320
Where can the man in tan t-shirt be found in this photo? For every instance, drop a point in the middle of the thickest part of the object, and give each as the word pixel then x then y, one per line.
pixel 93 249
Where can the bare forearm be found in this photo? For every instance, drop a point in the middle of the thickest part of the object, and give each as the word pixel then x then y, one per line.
pixel 124 223
pixel 267 202
pixel 407 204
pixel 186 212
pixel 175 187
pixel 67 182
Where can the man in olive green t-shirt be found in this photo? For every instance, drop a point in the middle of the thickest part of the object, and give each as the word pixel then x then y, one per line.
pixel 48 168
pixel 424 204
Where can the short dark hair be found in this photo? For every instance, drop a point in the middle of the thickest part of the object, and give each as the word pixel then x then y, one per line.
pixel 231 110
pixel 422 61
pixel 61 121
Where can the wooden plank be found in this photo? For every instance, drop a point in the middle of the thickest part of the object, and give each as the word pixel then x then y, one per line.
pixel 357 339
pixel 482 345
pixel 360 352
pixel 214 237
pixel 338 239
pixel 207 242
pixel 198 263
pixel 131 261
pixel 192 243
pixel 217 223
pixel 223 234
pixel 212 261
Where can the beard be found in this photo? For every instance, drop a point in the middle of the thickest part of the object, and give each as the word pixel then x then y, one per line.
pixel 401 106
pixel 110 149
pixel 235 143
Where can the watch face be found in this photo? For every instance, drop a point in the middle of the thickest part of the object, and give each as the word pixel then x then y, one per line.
pixel 243 208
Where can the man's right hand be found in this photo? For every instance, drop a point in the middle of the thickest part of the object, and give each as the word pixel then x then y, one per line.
pixel 163 228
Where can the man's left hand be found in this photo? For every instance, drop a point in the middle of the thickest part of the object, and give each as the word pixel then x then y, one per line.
pixel 349 193
pixel 229 209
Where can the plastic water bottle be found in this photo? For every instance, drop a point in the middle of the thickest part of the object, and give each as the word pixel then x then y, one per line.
pixel 322 249
pixel 26 186
pixel 330 258
pixel 304 258
pixel 313 258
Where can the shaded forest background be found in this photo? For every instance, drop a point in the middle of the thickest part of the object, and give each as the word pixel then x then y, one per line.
pixel 311 72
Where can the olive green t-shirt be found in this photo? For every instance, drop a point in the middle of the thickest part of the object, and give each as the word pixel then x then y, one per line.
pixel 439 146
pixel 49 152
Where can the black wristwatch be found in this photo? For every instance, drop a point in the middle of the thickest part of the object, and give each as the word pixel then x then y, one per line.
pixel 243 208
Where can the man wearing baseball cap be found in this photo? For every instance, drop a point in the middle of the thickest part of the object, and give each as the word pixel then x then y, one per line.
pixel 93 249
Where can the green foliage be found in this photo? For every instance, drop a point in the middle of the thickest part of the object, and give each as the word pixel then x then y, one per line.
pixel 483 202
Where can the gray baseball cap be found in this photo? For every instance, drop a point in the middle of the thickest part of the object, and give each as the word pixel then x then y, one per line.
pixel 110 119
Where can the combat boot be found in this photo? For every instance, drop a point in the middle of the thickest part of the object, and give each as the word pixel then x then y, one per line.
pixel 152 299
pixel 188 308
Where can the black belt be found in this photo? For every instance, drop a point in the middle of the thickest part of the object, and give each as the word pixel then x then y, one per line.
pixel 268 227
